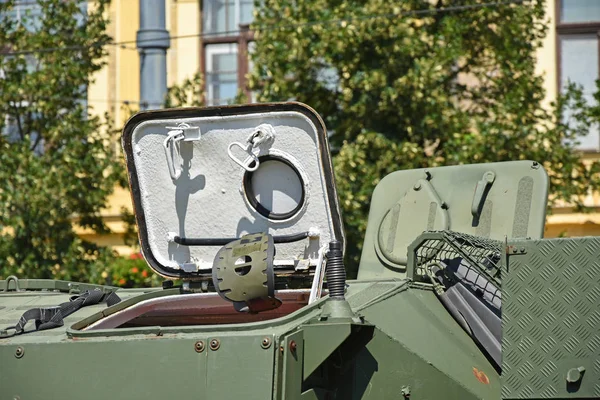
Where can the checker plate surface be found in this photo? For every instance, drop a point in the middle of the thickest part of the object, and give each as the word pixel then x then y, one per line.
pixel 551 318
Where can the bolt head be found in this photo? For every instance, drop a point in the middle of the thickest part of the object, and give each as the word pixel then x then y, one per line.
pixel 293 346
pixel 215 344
pixel 20 352
pixel 575 374
pixel 199 346
pixel 266 343
pixel 417 186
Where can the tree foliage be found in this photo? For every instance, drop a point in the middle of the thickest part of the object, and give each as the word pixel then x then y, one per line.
pixel 57 167
pixel 417 84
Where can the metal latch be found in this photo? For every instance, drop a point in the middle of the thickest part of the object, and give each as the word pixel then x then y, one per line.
pixel 262 134
pixel 181 132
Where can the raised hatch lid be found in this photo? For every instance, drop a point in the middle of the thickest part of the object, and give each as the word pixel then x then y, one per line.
pixel 194 179
pixel 494 200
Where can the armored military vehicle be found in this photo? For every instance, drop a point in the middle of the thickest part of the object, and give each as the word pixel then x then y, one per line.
pixel 457 296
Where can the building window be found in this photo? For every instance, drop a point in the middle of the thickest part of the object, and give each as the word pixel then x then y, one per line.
pixel 223 17
pixel 221 73
pixel 226 41
pixel 578 28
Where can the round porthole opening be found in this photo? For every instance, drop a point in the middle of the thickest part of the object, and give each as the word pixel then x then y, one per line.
pixel 276 189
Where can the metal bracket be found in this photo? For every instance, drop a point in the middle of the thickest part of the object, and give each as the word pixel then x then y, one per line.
pixel 181 132
pixel 317 284
pixel 10 279
pixel 513 250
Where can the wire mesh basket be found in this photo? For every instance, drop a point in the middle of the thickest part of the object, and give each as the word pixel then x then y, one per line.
pixel 474 260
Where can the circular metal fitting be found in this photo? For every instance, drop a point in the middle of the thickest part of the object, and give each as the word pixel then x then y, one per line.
pixel 199 346
pixel 20 352
pixel 215 344
pixel 293 346
pixel 266 342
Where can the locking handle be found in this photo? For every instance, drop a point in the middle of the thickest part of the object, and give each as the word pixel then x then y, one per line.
pixel 262 134
pixel 247 150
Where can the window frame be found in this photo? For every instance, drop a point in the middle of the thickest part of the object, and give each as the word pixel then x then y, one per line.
pixel 571 28
pixel 242 39
pixel 216 49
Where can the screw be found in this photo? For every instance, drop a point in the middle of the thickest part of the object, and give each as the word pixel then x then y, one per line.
pixel 293 346
pixel 215 344
pixel 199 346
pixel 20 352
pixel 266 343
pixel 405 391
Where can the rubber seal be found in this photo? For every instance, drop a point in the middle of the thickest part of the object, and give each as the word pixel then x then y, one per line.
pixel 259 207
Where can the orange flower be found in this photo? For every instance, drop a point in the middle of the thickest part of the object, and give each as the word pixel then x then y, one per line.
pixel 122 281
pixel 134 270
pixel 145 273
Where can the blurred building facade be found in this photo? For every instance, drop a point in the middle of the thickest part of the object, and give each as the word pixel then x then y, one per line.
pixel 212 36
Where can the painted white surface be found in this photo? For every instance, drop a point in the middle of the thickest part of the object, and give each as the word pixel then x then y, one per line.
pixel 208 199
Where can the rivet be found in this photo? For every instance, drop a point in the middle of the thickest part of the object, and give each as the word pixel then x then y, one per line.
pixel 20 352
pixel 266 342
pixel 417 186
pixel 522 249
pixel 199 346
pixel 514 250
pixel 215 344
pixel 293 346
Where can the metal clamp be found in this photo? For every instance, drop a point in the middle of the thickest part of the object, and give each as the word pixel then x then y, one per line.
pixel 262 134
pixel 181 132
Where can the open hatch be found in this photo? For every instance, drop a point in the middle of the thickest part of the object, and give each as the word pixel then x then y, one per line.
pixel 236 202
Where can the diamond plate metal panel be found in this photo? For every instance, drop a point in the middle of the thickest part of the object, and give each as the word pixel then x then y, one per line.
pixel 551 319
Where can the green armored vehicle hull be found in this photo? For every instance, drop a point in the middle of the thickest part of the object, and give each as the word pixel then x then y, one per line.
pixel 457 296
